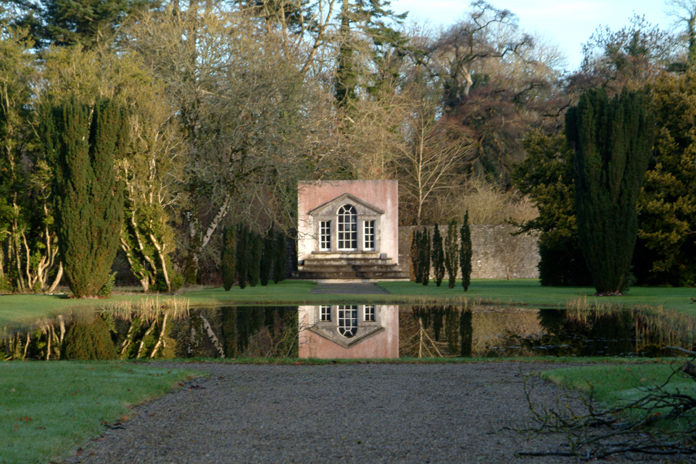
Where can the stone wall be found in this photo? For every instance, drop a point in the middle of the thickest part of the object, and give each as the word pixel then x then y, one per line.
pixel 496 253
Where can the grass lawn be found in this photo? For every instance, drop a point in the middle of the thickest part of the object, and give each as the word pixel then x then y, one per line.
pixel 47 409
pixel 16 309
pixel 618 385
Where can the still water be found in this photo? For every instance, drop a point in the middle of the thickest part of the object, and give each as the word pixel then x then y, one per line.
pixel 348 331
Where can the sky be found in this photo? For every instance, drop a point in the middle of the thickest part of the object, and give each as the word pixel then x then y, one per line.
pixel 569 23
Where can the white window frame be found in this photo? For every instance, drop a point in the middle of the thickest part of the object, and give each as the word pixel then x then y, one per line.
pixel 347 228
pixel 325 235
pixel 348 320
pixel 369 237
pixel 325 314
pixel 369 313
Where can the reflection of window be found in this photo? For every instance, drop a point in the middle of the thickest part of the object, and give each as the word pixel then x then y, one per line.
pixel 325 235
pixel 326 313
pixel 347 228
pixel 369 235
pixel 348 320
pixel 370 313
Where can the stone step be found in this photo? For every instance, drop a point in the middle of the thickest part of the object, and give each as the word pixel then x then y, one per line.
pixel 345 255
pixel 347 261
pixel 375 275
pixel 344 267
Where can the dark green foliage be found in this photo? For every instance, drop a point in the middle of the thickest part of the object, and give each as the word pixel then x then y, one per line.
pixel 267 256
pixel 546 175
pixel 228 258
pixel 424 256
pixel 279 262
pixel 438 256
pixel 108 286
pixel 438 317
pixel 243 255
pixel 256 255
pixel 71 22
pixel 465 252
pixel 415 256
pixel 82 142
pixel 451 253
pixel 452 328
pixel 612 140
pixel 466 332
pixel 228 328
pixel 666 250
pixel 88 339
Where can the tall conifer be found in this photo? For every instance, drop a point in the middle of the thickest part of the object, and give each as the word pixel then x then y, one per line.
pixel 255 259
pixel 438 256
pixel 280 262
pixel 268 256
pixel 81 141
pixel 243 255
pixel 228 259
pixel 424 257
pixel 465 252
pixel 612 140
pixel 451 253
pixel 415 256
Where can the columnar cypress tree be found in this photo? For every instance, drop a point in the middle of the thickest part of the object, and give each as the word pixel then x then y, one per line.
pixel 256 254
pixel 81 141
pixel 424 256
pixel 243 255
pixel 268 255
pixel 415 256
pixel 451 253
pixel 279 263
pixel 612 140
pixel 228 259
pixel 438 256
pixel 465 252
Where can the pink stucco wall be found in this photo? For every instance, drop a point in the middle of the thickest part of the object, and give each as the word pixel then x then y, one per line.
pixel 383 194
pixel 382 345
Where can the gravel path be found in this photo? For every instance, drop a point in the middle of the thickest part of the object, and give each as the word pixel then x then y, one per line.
pixel 349 413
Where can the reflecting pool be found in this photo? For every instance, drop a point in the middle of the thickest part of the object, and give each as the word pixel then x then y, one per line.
pixel 349 331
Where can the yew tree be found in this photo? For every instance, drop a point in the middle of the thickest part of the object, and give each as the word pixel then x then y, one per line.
pixel 612 140
pixel 81 141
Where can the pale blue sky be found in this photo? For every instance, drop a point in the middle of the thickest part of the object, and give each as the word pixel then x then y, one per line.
pixel 566 22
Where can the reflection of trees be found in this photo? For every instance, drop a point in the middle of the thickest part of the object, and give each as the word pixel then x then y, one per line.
pixel 586 332
pixel 159 333
pixel 420 331
pixel 466 330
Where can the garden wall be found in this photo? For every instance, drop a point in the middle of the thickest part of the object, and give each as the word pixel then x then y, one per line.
pixel 496 253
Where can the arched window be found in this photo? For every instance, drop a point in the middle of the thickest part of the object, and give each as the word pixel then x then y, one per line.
pixel 347 228
pixel 348 320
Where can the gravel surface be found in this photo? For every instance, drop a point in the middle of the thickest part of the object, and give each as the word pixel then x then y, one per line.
pixel 401 413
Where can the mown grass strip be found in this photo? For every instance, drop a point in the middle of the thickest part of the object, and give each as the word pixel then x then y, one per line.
pixel 453 360
pixel 47 409
pixel 616 385
pixel 18 309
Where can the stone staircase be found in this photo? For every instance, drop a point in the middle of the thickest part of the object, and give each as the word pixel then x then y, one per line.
pixel 346 266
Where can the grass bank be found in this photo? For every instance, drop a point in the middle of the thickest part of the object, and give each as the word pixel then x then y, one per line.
pixel 616 385
pixel 17 309
pixel 47 409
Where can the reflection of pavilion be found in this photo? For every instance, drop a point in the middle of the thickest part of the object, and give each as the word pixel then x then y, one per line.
pixel 349 331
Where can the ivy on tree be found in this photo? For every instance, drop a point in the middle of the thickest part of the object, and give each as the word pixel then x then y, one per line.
pixel 612 140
